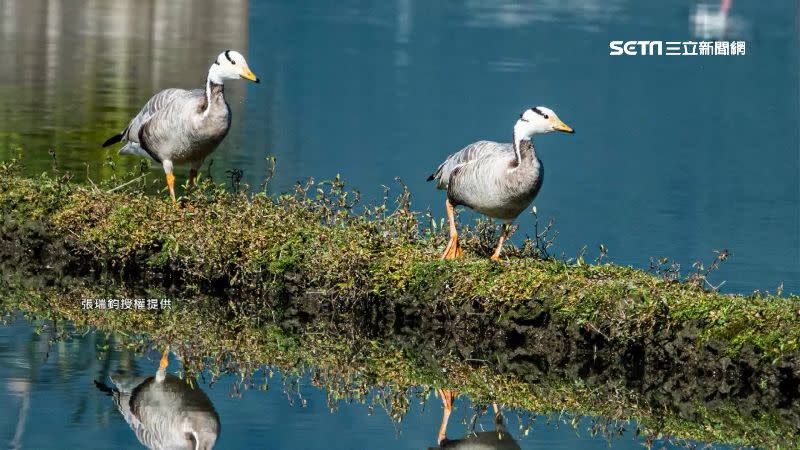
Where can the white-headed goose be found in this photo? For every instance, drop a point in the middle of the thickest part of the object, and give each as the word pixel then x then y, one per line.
pixel 184 126
pixel 498 180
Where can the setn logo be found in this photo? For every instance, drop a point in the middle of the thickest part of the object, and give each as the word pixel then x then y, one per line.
pixel 635 48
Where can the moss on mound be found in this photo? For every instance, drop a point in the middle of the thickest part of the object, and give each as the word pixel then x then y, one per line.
pixel 314 242
pixel 599 340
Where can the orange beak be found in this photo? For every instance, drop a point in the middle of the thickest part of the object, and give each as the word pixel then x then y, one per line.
pixel 248 74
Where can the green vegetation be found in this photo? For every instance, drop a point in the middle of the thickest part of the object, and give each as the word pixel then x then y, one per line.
pixel 387 373
pixel 312 242
pixel 317 247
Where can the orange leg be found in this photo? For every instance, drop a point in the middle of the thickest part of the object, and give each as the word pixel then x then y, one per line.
pixel 498 415
pixel 170 179
pixel 447 402
pixel 171 186
pixel 503 236
pixel 453 250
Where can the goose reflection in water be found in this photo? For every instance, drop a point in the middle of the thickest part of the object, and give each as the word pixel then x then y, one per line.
pixel 165 412
pixel 715 21
pixel 499 439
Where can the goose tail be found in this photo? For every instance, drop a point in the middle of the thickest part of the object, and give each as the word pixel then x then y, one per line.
pixel 112 140
pixel 436 174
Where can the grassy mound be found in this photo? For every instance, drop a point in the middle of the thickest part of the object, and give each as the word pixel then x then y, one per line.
pixel 598 340
pixel 314 242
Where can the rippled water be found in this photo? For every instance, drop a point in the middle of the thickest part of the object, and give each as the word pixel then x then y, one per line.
pixel 50 401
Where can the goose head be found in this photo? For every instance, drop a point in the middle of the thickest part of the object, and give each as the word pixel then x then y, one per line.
pixel 539 120
pixel 230 65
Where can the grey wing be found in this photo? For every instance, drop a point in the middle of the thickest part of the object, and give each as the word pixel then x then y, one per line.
pixel 169 123
pixel 476 179
pixel 125 386
pixel 130 134
pixel 155 104
pixel 468 154
pixel 122 400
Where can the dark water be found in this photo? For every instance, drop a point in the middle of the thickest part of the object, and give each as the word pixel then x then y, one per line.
pixel 673 156
pixel 50 402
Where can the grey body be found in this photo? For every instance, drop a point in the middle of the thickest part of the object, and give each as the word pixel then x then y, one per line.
pixel 179 125
pixel 163 411
pixel 487 177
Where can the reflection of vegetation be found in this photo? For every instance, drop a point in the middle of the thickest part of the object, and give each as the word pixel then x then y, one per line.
pixel 302 244
pixel 62 134
pixel 389 369
pixel 363 299
pixel 78 84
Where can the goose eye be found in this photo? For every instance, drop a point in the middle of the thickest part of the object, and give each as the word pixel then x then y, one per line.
pixel 546 116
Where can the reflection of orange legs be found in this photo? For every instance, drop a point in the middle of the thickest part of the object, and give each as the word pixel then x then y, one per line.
pixel 161 373
pixel 503 236
pixel 453 250
pixel 164 359
pixel 498 415
pixel 447 402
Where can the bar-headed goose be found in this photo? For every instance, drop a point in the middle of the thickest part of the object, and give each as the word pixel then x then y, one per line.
pixel 498 180
pixel 184 126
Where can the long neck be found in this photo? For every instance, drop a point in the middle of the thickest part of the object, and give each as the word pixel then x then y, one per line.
pixel 214 91
pixel 523 149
